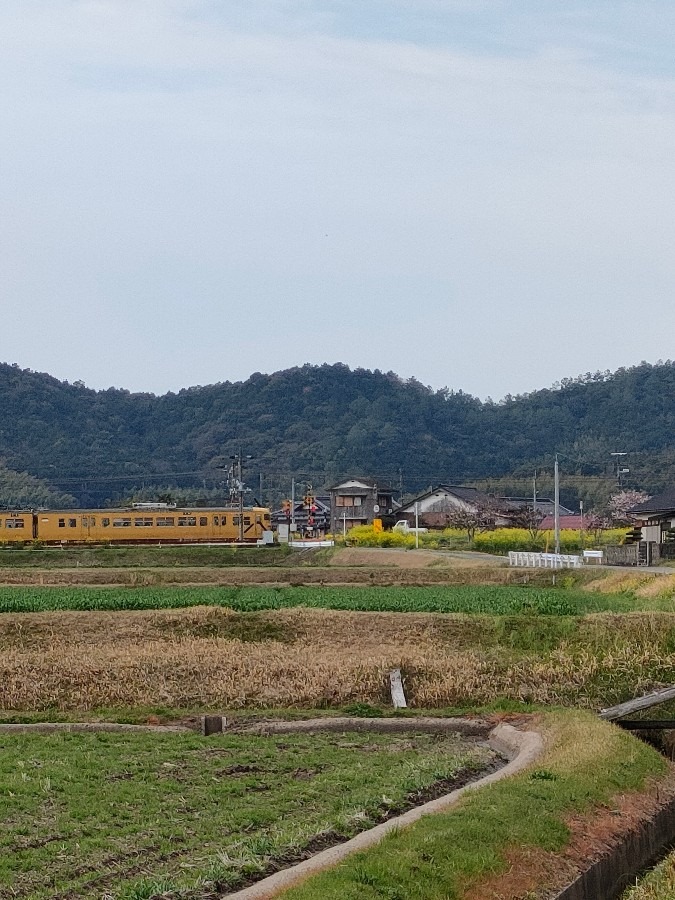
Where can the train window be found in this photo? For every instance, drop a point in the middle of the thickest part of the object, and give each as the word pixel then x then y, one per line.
pixel 187 520
pixel 14 523
pixel 203 520
pixel 235 520
pixel 62 523
pixel 258 520
pixel 223 520
pixel 216 520
pixel 164 521
pixel 247 520
pixel 105 522
pixel 85 521
pixel 192 520
pixel 121 523
pixel 72 523
pixel 266 517
pixel 142 523
pixel 92 520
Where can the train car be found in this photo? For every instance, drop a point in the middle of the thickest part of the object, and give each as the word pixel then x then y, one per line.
pixel 139 524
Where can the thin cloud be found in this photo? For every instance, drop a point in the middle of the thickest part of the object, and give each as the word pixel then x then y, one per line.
pixel 178 177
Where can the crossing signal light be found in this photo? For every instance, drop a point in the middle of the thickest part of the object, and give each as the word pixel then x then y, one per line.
pixel 309 501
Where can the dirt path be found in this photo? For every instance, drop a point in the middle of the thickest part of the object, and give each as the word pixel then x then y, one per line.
pixel 412 559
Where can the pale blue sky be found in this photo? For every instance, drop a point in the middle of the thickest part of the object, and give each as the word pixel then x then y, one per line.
pixel 475 193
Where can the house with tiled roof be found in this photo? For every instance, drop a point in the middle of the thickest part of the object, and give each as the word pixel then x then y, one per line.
pixel 359 501
pixel 436 505
pixel 656 517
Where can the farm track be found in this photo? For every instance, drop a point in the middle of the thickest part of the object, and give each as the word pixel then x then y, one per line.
pixel 273 577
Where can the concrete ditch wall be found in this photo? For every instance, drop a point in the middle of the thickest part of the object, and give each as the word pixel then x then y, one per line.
pixel 609 876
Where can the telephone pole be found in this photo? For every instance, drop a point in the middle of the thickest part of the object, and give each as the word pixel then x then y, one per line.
pixel 239 466
pixel 556 501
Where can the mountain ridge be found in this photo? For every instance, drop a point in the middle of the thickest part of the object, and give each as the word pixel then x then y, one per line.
pixel 330 420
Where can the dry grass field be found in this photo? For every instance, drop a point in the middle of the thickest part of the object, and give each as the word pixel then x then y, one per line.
pixel 207 657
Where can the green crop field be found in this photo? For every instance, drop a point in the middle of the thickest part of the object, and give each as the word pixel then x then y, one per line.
pixel 89 815
pixel 169 555
pixel 492 600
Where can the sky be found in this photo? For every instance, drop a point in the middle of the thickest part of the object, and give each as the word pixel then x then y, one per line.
pixel 476 193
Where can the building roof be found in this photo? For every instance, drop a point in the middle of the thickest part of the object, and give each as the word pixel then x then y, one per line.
pixel 572 521
pixel 544 505
pixel 663 502
pixel 462 492
pixel 368 483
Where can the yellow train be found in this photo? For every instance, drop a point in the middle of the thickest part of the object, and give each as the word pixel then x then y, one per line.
pixel 139 524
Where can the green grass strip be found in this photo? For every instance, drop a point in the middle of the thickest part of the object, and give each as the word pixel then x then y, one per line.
pixel 443 855
pixel 657 885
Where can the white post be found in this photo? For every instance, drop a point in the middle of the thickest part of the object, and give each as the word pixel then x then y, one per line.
pixel 344 524
pixel 417 525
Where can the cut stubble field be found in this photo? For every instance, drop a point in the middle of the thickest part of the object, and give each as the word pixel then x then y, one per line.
pixel 214 658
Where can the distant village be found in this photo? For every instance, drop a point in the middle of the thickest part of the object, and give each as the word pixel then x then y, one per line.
pixel 364 501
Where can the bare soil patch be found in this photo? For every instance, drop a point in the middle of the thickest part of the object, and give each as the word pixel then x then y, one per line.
pixel 380 571
pixel 534 873
pixel 412 559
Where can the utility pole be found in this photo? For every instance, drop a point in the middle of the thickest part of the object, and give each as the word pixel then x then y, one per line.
pixel 556 501
pixel 238 486
pixel 620 470
pixel 417 526
pixel 241 501
pixel 534 493
pixel 260 496
pixel 292 529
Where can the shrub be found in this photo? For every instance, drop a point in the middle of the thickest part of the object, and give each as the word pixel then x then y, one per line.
pixel 366 536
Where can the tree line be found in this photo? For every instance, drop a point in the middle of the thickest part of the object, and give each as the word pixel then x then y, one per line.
pixel 331 421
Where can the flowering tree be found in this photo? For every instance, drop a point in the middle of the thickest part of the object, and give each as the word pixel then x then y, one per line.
pixel 472 520
pixel 530 518
pixel 620 503
pixel 594 526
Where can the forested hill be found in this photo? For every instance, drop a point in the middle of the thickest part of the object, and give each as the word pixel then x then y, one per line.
pixel 328 421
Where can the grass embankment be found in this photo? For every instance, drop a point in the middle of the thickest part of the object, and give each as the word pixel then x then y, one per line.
pixel 168 555
pixel 89 815
pixel 449 856
pixel 484 599
pixel 179 661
